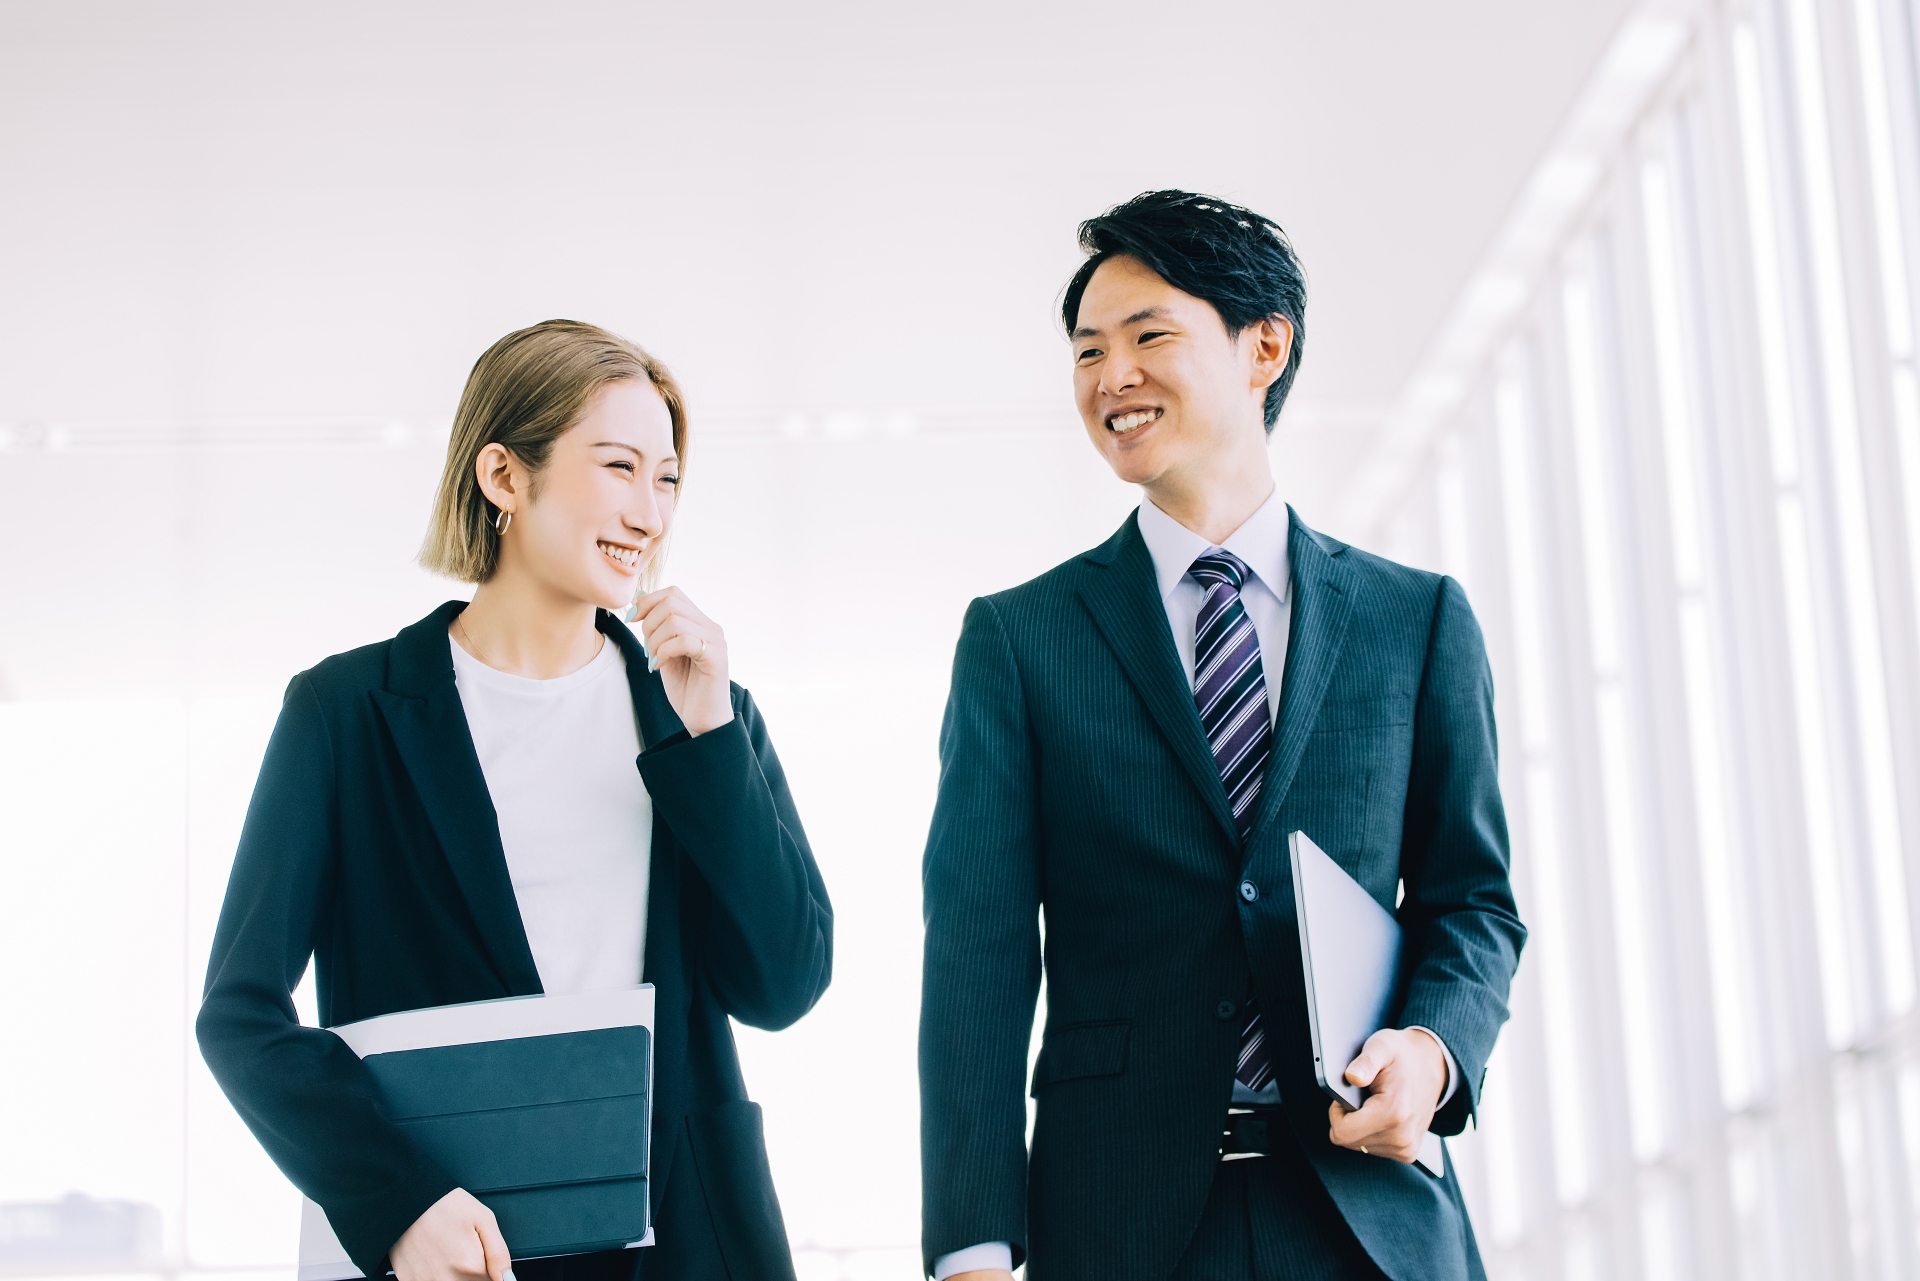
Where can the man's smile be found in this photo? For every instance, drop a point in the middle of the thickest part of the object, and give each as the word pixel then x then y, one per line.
pixel 1121 424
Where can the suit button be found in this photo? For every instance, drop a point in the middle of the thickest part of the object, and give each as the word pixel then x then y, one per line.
pixel 1225 1010
pixel 1249 891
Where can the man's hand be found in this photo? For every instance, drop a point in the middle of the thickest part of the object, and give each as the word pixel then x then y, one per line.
pixel 457 1239
pixel 1403 1074
pixel 982 1274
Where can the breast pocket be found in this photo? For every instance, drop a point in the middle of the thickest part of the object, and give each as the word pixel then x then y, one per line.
pixel 1080 1050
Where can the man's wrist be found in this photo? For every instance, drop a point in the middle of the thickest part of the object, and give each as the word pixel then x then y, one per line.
pixel 988 1256
pixel 1450 1081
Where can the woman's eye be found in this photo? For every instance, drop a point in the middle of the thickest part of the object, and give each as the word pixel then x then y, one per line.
pixel 625 467
pixel 670 480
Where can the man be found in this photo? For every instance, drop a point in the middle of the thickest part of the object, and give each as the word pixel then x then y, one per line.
pixel 1129 740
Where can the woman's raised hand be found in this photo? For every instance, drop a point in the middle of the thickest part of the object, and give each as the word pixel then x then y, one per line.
pixel 689 651
pixel 457 1239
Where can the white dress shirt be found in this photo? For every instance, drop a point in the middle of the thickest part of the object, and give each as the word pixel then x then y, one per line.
pixel 576 822
pixel 1267 595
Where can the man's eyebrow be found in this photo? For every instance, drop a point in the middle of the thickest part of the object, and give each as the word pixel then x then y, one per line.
pixel 1148 313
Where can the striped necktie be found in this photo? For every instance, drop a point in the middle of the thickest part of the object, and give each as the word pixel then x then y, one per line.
pixel 1230 690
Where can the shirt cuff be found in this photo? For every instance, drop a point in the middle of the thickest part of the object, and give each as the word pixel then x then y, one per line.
pixel 991 1254
pixel 1453 1068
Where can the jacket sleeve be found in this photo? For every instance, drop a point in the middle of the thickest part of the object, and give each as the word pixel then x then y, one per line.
pixel 726 799
pixel 302 1092
pixel 981 900
pixel 1459 911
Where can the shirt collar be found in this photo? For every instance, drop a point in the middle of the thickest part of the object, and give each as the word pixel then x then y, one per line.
pixel 1261 542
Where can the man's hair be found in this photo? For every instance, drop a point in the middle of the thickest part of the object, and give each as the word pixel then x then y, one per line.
pixel 1237 260
pixel 525 391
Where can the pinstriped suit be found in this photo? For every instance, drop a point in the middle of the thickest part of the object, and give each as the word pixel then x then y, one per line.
pixel 1076 779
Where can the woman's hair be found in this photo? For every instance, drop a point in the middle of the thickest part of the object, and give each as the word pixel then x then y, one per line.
pixel 525 391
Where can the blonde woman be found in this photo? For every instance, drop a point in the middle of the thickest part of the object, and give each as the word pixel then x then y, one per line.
pixel 455 815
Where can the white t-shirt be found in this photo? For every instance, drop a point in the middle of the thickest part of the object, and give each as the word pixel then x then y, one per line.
pixel 575 818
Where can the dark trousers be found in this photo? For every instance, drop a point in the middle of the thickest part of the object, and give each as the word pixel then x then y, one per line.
pixel 1269 1219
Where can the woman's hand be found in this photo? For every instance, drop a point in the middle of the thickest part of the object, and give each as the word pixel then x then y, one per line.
pixel 457 1239
pixel 689 651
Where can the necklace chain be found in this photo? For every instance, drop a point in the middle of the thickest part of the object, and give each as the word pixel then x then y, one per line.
pixel 460 621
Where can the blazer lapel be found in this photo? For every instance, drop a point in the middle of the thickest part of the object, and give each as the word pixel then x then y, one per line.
pixel 422 709
pixel 1124 599
pixel 1324 591
pixel 652 711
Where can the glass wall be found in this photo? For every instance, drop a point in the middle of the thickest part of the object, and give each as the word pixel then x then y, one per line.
pixel 1685 498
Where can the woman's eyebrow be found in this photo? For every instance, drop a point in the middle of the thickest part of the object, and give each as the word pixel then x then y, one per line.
pixel 617 444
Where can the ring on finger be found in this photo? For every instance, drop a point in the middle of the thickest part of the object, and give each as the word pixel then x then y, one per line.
pixel 1363 1150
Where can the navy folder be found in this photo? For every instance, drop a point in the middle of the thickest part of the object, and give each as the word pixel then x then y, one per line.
pixel 540 1106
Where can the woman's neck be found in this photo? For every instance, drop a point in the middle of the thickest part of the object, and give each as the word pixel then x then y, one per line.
pixel 523 630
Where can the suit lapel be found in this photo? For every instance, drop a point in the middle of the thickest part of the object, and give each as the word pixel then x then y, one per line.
pixel 1124 598
pixel 422 710
pixel 1324 591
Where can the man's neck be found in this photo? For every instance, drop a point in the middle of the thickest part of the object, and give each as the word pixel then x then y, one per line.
pixel 1214 506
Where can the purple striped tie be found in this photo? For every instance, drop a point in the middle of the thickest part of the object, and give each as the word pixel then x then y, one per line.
pixel 1230 689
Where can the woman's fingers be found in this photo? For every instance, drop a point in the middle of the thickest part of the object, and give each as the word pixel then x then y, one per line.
pixel 499 1262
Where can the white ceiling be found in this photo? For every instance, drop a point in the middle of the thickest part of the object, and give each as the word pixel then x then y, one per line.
pixel 226 210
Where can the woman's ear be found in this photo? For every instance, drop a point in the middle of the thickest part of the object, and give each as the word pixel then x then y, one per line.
pixel 502 481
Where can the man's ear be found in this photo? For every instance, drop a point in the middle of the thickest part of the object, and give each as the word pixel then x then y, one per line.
pixel 503 481
pixel 1272 339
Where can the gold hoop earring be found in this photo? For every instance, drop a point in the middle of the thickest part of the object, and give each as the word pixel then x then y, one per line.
pixel 502 522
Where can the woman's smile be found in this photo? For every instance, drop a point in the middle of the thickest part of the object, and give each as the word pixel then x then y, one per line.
pixel 626 559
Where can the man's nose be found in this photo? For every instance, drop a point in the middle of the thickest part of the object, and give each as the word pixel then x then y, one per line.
pixel 1118 374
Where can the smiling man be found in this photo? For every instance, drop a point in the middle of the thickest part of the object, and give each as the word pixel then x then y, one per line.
pixel 1128 741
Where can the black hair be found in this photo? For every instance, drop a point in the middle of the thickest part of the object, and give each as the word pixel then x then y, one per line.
pixel 1237 260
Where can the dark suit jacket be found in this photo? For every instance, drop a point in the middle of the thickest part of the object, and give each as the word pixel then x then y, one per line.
pixel 1075 780
pixel 371 846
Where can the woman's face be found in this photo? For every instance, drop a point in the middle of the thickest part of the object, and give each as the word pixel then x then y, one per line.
pixel 592 520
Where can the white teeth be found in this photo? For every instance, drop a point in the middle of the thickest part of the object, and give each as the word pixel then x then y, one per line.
pixel 1134 421
pixel 628 556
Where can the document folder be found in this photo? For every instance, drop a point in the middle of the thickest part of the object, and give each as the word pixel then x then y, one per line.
pixel 1350 950
pixel 541 1106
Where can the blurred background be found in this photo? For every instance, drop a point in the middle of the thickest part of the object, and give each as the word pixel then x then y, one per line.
pixel 1612 318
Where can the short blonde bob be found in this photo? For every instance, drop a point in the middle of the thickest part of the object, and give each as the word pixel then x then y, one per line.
pixel 524 393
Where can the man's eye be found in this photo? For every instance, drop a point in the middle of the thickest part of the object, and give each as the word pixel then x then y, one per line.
pixel 1091 351
pixel 1151 334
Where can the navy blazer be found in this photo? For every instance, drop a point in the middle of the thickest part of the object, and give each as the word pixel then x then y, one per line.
pixel 371 846
pixel 1076 782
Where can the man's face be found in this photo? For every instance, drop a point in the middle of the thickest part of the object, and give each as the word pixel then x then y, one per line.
pixel 1160 386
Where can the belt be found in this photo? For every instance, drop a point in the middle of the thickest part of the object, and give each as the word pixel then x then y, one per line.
pixel 1245 1135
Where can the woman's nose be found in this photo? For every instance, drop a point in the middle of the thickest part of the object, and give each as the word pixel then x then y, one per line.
pixel 647 515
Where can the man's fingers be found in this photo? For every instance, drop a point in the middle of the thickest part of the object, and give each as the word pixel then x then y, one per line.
pixel 1362 1070
pixel 1381 1128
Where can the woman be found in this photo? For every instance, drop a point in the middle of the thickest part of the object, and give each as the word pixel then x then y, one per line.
pixel 454 815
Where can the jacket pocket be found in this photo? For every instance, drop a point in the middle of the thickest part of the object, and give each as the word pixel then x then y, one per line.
pixel 730 1150
pixel 1363 713
pixel 1079 1050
